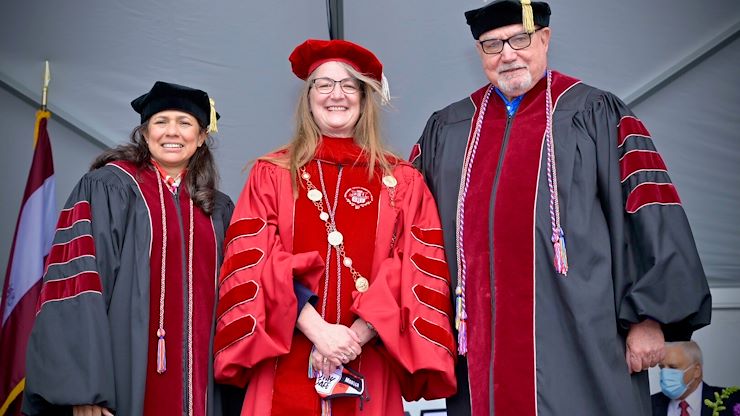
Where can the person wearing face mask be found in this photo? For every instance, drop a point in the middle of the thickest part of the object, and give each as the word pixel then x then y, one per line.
pixel 683 390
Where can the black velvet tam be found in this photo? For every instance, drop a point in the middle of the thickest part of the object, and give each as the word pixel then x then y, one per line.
pixel 168 96
pixel 502 13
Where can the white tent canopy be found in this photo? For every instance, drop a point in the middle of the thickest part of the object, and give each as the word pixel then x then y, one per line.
pixel 677 59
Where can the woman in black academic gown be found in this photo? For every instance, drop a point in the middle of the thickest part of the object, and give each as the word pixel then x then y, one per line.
pixel 126 308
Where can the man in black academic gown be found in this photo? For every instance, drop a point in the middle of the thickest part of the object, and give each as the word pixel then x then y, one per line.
pixel 525 164
pixel 683 391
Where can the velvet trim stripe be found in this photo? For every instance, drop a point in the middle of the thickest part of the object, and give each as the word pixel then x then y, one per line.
pixel 433 298
pixel 639 161
pixel 515 376
pixel 649 193
pixel 474 267
pixel 434 334
pixel 514 349
pixel 631 126
pixel 244 227
pixel 428 236
pixel 233 332
pixel 436 268
pixel 513 241
pixel 239 261
pixel 74 248
pixel 63 289
pixel 415 153
pixel 243 293
pixel 71 216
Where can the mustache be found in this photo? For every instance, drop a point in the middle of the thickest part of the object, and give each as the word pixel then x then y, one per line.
pixel 509 67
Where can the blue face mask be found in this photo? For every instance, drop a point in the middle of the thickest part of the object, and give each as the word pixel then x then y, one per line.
pixel 671 382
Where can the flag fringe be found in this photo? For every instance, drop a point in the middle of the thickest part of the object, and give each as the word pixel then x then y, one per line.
pixel 40 115
pixel 17 390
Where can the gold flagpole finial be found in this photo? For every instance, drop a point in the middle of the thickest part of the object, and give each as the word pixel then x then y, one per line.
pixel 42 112
pixel 45 90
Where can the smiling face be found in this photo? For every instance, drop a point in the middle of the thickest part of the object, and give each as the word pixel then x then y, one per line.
pixel 173 137
pixel 336 113
pixel 515 72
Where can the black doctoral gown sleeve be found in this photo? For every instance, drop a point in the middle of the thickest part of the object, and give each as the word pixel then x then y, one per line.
pixel 422 154
pixel 69 357
pixel 657 271
pixel 439 155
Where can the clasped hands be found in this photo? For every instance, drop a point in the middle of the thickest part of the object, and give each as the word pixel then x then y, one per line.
pixel 337 344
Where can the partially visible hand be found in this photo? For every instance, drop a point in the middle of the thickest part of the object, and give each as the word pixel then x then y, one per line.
pixel 645 346
pixel 363 331
pixel 90 410
pixel 323 364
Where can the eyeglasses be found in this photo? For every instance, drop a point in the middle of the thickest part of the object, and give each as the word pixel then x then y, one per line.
pixel 326 85
pixel 517 42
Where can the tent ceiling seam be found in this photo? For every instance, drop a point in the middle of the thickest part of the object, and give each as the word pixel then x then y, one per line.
pixel 683 65
pixel 58 114
pixel 335 17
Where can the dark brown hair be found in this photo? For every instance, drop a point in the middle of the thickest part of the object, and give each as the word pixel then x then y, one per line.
pixel 201 177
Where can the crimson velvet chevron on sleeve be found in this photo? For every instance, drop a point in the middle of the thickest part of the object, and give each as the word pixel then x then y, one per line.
pixel 392 235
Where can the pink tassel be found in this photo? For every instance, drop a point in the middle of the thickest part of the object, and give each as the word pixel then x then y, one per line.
pixel 462 338
pixel 561 255
pixel 161 359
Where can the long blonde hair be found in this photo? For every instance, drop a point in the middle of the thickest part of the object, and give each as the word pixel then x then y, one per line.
pixel 302 147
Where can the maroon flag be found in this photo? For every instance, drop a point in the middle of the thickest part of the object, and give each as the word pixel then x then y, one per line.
pixel 34 233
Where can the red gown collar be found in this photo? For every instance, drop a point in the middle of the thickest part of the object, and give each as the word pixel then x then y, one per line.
pixel 341 150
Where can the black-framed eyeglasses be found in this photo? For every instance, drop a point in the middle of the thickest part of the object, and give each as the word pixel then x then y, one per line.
pixel 326 85
pixel 517 42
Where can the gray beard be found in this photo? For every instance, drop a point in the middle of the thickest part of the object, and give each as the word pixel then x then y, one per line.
pixel 515 87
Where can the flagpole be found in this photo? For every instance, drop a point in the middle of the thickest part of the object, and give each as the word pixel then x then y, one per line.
pixel 45 89
pixel 34 233
pixel 43 112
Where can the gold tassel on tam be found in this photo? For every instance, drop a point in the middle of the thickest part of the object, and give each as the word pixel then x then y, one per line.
pixel 527 16
pixel 212 123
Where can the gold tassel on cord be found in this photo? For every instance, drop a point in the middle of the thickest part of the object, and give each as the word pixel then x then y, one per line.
pixel 212 123
pixel 527 16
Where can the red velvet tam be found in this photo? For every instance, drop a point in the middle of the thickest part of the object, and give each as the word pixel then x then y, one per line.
pixel 307 56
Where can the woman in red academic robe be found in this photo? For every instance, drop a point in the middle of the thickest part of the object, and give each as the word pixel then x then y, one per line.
pixel 335 214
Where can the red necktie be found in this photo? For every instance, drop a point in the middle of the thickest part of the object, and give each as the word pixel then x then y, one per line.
pixel 683 405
